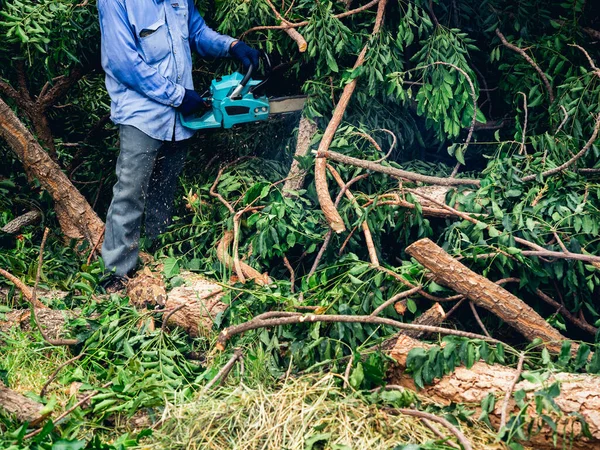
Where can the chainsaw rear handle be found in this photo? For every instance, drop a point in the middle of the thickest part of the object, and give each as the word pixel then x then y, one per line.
pixel 236 94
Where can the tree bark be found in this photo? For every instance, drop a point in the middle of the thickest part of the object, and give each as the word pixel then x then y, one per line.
pixel 192 306
pixel 19 406
pixel 579 394
pixel 434 316
pixel 248 271
pixel 484 293
pixel 295 178
pixel 76 217
pixel 15 225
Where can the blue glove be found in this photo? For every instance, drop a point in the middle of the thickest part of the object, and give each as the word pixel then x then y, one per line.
pixel 192 102
pixel 246 54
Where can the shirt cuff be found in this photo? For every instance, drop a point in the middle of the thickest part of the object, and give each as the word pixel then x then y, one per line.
pixel 178 97
pixel 228 41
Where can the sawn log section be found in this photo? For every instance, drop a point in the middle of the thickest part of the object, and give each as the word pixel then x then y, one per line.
pixel 484 293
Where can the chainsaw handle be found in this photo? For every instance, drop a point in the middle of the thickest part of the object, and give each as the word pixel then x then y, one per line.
pixel 236 94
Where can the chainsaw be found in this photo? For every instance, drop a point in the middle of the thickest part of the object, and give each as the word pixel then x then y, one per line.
pixel 237 99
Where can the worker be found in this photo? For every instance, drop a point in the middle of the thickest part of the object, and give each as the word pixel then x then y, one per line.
pixel 147 56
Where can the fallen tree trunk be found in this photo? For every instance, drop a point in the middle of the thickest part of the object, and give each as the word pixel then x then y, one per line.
pixel 295 178
pixel 484 293
pixel 52 321
pixel 579 395
pixel 77 218
pixel 21 407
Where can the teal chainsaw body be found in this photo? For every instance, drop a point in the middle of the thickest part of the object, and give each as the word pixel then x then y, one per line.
pixel 233 103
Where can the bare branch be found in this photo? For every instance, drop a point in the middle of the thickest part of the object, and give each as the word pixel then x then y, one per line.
pixel 478 319
pixel 257 322
pixel 455 431
pixel 220 377
pixel 531 62
pixel 392 171
pixel 331 214
pixel 306 22
pixel 395 299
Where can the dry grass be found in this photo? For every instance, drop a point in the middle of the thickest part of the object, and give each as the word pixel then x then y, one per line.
pixel 287 418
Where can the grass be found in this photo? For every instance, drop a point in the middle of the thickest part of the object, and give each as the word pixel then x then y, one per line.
pixel 309 412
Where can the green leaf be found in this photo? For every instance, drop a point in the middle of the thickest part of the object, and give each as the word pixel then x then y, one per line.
pixel 357 376
pixel 171 267
pixel 68 445
pixel 310 441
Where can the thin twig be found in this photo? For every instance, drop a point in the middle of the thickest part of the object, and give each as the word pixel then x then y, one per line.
pixel 68 411
pixel 395 299
pixel 327 238
pixel 213 192
pixel 306 22
pixel 455 307
pixel 510 391
pixel 562 123
pixel 523 151
pixel 91 255
pixel 531 62
pixel 571 161
pixel 364 223
pixel 347 371
pixel 422 292
pixel 50 341
pixel 286 263
pixel 55 373
pixel 582 324
pixel 478 319
pixel 438 433
pixel 462 440
pixel 22 287
pixel 394 172
pixel 291 32
pixel 169 314
pixel 220 377
pixel 347 240
pixel 589 58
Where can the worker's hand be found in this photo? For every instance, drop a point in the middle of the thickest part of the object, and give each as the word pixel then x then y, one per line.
pixel 192 102
pixel 246 54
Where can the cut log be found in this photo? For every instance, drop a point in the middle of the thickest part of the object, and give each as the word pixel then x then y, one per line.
pixel 195 305
pixel 484 293
pixel 192 306
pixel 434 316
pixel 20 407
pixel 579 394
pixel 295 178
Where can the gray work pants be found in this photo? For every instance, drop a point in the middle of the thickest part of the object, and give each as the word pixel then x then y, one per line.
pixel 147 173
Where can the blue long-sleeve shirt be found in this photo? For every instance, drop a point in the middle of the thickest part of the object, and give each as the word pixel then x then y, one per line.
pixel 146 54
